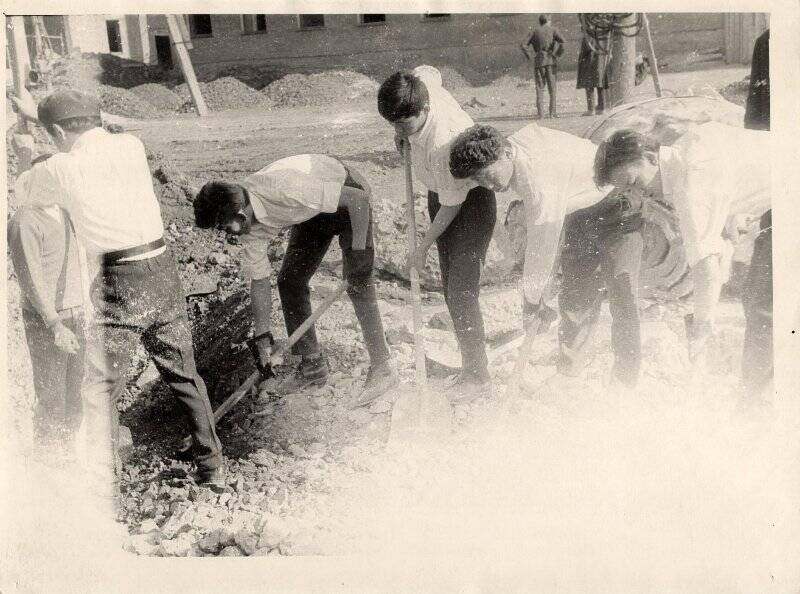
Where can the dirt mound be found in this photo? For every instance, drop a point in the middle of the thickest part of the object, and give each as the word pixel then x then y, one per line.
pixel 223 93
pixel 736 92
pixel 159 96
pixel 171 186
pixel 125 103
pixel 453 79
pixel 323 88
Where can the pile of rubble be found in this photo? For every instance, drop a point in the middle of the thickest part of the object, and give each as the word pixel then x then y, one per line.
pixel 323 88
pixel 122 102
pixel 223 93
pixel 160 97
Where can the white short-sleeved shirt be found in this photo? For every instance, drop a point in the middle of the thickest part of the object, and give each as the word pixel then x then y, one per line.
pixel 104 183
pixel 430 147
pixel 284 193
pixel 712 172
pixel 553 174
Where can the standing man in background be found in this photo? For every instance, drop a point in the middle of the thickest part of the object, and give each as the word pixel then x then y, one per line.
pixel 593 68
pixel 44 250
pixel 757 358
pixel 548 45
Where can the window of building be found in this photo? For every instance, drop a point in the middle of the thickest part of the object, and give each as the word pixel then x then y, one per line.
pixel 311 21
pixel 254 23
pixel 114 36
pixel 200 25
pixel 434 16
pixel 372 19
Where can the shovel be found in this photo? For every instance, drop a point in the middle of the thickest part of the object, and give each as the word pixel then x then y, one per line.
pixel 251 381
pixel 417 412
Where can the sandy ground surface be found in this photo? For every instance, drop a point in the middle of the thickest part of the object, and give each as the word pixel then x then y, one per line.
pixel 673 487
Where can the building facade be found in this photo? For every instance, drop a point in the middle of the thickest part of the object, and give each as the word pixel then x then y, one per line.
pixel 479 46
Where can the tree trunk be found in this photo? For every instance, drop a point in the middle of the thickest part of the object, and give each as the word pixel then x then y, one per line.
pixel 622 69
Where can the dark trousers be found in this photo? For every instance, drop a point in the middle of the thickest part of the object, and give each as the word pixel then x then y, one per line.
pixel 757 361
pixel 601 99
pixel 462 250
pixel 601 256
pixel 57 376
pixel 308 243
pixel 545 75
pixel 143 301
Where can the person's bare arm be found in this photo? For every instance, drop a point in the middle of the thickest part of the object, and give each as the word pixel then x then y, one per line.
pixel 438 226
pixel 707 287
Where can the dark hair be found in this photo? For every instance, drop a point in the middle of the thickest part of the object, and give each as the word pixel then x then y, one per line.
pixel 79 124
pixel 623 147
pixel 543 19
pixel 217 202
pixel 474 149
pixel 402 95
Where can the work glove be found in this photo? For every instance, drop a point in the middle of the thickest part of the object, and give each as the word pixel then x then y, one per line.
pixel 541 312
pixel 261 349
pixel 698 335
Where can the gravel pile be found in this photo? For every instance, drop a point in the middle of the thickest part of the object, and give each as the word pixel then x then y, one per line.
pixel 224 93
pixel 122 102
pixel 452 79
pixel 324 88
pixel 159 96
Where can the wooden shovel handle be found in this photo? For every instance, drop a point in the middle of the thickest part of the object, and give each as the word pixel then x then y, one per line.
pixel 234 398
pixel 416 303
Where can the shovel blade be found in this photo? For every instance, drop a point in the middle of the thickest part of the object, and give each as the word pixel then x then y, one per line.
pixel 420 414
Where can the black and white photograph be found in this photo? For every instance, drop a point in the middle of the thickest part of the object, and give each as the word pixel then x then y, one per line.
pixel 401 301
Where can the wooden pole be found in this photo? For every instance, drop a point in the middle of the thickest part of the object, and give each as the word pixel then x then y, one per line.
pixel 20 62
pixel 622 72
pixel 186 65
pixel 651 53
pixel 416 303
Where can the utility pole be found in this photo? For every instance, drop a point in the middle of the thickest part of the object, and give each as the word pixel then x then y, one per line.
pixel 186 64
pixel 622 69
pixel 20 61
pixel 651 54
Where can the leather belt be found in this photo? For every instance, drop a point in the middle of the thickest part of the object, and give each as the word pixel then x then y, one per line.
pixel 114 257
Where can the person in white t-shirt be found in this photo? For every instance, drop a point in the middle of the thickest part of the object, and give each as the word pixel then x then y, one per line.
pixel 709 175
pixel 551 171
pixel 462 213
pixel 319 198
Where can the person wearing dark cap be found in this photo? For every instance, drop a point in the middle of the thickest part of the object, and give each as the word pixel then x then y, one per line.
pixel 548 45
pixel 319 198
pixel 48 265
pixel 104 182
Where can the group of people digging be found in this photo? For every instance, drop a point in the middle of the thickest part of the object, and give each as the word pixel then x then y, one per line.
pixel 95 197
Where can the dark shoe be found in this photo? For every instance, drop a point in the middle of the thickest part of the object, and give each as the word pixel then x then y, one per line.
pixel 311 373
pixel 553 115
pixel 589 112
pixel 213 478
pixel 467 387
pixel 380 379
